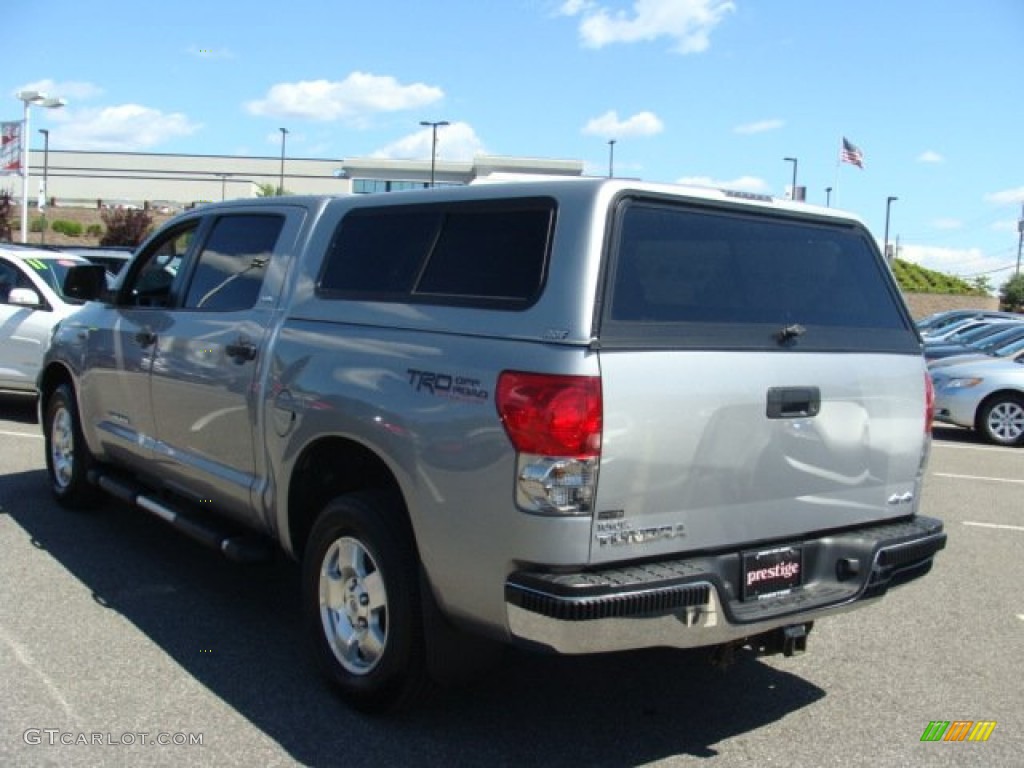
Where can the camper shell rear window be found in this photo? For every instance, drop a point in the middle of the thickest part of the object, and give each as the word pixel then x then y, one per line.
pixel 706 277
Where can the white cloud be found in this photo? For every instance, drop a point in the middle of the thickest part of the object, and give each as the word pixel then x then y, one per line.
pixel 761 126
pixel 930 156
pixel 122 128
pixel 952 261
pixel 457 142
pixel 947 223
pixel 1005 225
pixel 69 90
pixel 353 99
pixel 574 7
pixel 1007 196
pixel 609 125
pixel 687 22
pixel 742 184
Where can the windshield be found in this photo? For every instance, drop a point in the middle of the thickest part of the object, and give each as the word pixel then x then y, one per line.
pixel 999 339
pixel 53 271
pixel 1009 349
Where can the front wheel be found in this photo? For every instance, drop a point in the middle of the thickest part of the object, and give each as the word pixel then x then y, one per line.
pixel 1002 420
pixel 68 459
pixel 361 602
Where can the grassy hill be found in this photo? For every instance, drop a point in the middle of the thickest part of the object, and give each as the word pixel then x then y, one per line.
pixel 916 279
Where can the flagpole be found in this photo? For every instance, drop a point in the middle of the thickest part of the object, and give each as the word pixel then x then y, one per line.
pixel 839 154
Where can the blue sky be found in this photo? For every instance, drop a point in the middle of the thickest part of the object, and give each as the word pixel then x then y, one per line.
pixel 712 91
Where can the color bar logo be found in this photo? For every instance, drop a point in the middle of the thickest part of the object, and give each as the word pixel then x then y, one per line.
pixel 958 730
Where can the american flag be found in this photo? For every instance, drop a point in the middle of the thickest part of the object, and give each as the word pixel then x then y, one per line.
pixel 851 154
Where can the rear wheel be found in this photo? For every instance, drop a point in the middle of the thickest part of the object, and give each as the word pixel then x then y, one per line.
pixel 362 603
pixel 68 459
pixel 1002 420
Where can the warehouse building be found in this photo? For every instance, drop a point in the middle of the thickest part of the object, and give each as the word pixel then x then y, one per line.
pixel 178 181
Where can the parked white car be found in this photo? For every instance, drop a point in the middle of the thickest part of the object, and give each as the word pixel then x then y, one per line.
pixel 31 303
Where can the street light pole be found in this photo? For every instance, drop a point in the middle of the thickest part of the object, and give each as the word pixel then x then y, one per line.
pixel 828 197
pixel 223 183
pixel 433 145
pixel 1020 239
pixel 30 98
pixel 280 186
pixel 792 191
pixel 44 193
pixel 611 158
pixel 888 203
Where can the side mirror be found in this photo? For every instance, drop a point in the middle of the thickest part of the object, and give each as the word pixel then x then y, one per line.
pixel 24 297
pixel 87 282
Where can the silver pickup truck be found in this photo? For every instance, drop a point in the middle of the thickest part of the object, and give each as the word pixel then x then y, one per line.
pixel 578 416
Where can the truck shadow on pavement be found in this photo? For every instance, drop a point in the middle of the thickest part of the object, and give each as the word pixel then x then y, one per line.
pixel 236 630
pixel 18 408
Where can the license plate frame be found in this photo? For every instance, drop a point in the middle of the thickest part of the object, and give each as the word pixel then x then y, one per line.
pixel 767 573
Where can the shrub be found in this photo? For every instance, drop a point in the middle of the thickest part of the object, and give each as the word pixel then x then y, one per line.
pixel 126 226
pixel 69 228
pixel 6 207
pixel 37 225
pixel 94 230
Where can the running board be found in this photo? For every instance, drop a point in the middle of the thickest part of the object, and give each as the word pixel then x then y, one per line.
pixel 239 548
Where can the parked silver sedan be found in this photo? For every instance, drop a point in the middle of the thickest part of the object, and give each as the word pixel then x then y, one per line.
pixel 984 395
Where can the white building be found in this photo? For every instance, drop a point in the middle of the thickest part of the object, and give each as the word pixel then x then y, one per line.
pixel 175 181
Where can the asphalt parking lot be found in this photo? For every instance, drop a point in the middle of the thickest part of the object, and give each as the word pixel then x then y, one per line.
pixel 117 632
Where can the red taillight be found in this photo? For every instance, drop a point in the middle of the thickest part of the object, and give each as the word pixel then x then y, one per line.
pixel 929 403
pixel 551 415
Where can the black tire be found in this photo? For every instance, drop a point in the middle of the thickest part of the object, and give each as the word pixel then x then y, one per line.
pixel 1001 420
pixel 68 459
pixel 361 602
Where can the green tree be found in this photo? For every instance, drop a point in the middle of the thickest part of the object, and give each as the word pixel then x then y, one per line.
pixel 270 190
pixel 1012 293
pixel 982 283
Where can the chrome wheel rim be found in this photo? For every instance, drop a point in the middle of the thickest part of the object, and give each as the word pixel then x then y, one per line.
pixel 353 606
pixel 62 448
pixel 1006 421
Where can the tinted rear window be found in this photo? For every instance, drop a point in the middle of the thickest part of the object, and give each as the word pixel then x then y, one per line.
pixel 492 254
pixel 709 277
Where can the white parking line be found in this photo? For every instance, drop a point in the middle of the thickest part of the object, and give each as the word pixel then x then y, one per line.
pixel 995 525
pixel 978 477
pixel 970 447
pixel 21 434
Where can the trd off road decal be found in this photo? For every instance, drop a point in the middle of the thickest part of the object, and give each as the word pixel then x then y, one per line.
pixel 448 385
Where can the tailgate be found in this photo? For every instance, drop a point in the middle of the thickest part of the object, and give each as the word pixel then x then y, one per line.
pixel 710 449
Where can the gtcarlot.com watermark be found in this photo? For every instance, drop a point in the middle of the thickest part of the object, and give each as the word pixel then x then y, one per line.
pixel 55 737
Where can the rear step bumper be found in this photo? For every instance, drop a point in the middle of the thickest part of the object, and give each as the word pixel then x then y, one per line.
pixel 696 601
pixel 240 547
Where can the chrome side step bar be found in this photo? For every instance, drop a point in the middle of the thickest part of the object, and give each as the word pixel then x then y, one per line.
pixel 240 548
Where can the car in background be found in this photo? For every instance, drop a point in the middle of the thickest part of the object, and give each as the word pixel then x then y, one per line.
pixel 984 395
pixel 979 339
pixel 112 258
pixel 994 349
pixel 933 324
pixel 32 301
